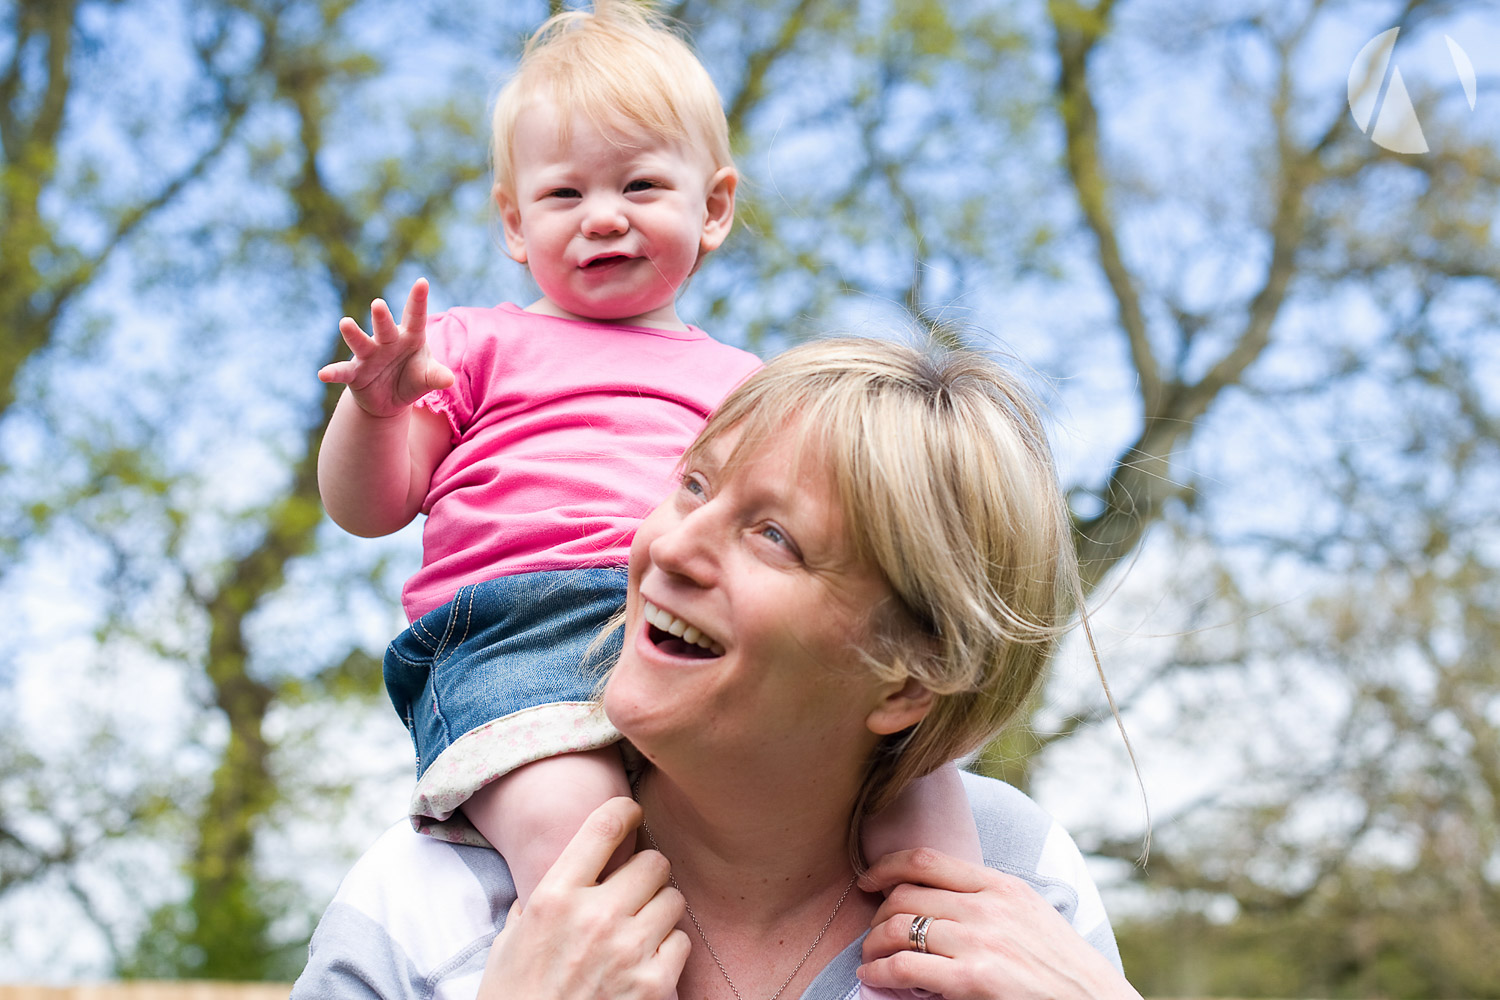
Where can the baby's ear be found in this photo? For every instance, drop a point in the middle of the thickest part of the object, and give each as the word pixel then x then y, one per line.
pixel 510 218
pixel 718 216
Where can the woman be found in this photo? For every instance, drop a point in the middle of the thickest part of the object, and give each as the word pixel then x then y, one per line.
pixel 874 544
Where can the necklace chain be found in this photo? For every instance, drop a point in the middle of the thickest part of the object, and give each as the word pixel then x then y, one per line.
pixel 672 877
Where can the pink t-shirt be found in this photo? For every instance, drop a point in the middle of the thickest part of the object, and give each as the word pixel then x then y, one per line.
pixel 565 434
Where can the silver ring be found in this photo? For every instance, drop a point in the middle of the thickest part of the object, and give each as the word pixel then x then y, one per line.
pixel 916 937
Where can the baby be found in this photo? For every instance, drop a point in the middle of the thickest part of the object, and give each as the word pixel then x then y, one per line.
pixel 534 439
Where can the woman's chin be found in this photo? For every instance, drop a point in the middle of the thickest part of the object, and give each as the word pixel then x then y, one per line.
pixel 627 706
pixel 642 724
pixel 643 708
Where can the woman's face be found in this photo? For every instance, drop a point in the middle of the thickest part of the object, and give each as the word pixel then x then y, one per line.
pixel 754 571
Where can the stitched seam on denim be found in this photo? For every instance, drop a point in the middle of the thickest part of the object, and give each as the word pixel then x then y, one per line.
pixel 417 627
pixel 391 650
pixel 421 634
pixel 464 596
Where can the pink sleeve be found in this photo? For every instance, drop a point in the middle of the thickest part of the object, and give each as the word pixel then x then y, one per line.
pixel 447 338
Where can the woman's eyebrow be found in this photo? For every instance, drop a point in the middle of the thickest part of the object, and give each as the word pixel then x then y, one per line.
pixel 703 460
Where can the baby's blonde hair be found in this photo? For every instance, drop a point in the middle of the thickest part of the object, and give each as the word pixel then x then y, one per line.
pixel 618 64
pixel 947 485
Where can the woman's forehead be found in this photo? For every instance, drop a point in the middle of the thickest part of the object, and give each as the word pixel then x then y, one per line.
pixel 786 466
pixel 786 442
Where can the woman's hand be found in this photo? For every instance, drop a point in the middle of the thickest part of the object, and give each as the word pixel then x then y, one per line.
pixel 579 939
pixel 992 936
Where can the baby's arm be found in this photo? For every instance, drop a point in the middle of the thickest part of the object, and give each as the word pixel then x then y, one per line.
pixel 530 814
pixel 378 454
pixel 932 812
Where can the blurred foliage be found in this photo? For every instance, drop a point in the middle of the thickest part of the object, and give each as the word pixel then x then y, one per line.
pixel 1273 343
pixel 1377 933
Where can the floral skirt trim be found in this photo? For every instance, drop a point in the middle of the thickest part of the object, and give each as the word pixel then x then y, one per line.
pixel 496 748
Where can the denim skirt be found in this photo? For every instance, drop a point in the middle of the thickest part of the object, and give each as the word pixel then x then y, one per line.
pixel 501 646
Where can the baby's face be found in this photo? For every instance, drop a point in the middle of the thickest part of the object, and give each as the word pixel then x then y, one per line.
pixel 611 222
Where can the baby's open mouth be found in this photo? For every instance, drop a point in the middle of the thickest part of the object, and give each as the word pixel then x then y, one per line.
pixel 614 258
pixel 676 637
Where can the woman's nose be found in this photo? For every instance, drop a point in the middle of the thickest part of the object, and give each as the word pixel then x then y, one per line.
pixel 690 547
pixel 604 216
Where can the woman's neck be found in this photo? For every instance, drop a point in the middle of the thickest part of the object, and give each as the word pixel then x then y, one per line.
pixel 768 882
pixel 743 853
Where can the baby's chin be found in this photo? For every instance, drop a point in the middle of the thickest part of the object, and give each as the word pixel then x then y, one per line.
pixel 648 311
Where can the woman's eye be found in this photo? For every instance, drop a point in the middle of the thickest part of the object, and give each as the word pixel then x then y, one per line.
pixel 776 536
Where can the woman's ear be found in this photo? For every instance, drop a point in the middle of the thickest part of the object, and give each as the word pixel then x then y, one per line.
pixel 510 218
pixel 903 705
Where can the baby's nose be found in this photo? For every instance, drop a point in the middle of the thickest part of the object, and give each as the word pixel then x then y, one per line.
pixel 605 217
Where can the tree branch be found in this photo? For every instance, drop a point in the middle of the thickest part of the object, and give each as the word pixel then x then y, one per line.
pixel 1077 31
pixel 758 65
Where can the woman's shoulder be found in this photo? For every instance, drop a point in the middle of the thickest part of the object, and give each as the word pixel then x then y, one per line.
pixel 413 910
pixel 1005 812
pixel 1018 837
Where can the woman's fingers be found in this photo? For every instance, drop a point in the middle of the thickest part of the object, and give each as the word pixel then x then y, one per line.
pixel 924 866
pixel 581 938
pixel 893 935
pixel 906 899
pixel 906 970
pixel 999 940
pixel 585 855
pixel 640 880
pixel 673 955
pixel 662 910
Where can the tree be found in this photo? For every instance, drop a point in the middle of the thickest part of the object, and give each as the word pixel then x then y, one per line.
pixel 1364 585
pixel 354 231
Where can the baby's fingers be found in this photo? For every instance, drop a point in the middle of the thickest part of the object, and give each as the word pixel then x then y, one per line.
pixel 338 373
pixel 439 376
pixel 414 316
pixel 383 324
pixel 354 337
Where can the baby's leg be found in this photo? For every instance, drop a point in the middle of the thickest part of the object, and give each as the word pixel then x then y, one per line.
pixel 932 812
pixel 530 814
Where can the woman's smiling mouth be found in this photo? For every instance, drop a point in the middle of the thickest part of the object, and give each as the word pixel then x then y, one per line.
pixel 672 635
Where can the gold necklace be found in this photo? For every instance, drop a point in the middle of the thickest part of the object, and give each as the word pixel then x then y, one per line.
pixel 672 877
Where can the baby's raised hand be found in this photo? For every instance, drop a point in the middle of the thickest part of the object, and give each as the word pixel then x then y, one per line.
pixel 393 368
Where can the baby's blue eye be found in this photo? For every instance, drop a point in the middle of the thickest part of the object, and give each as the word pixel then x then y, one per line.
pixel 563 193
pixel 640 185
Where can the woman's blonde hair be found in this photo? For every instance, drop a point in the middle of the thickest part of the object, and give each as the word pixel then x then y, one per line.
pixel 947 485
pixel 618 64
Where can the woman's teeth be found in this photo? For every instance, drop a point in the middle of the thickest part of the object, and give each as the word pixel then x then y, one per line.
pixel 676 626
